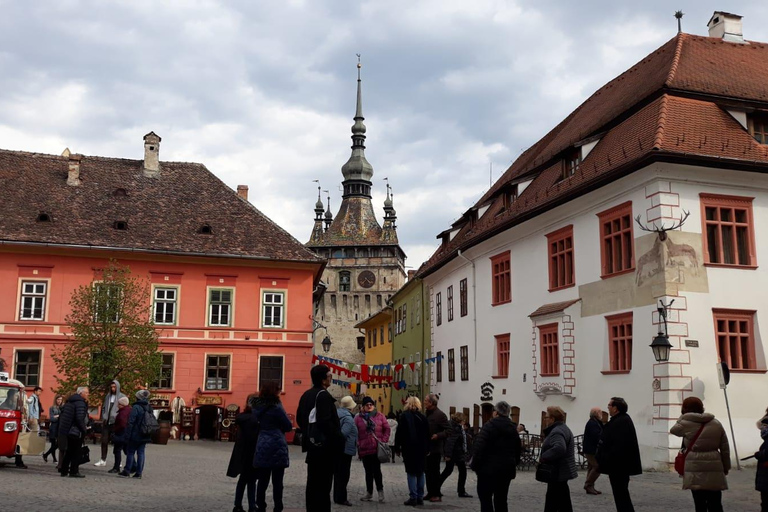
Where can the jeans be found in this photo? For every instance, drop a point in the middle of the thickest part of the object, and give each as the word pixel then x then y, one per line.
pixel 372 472
pixel 106 433
pixel 620 488
pixel 708 501
pixel 277 488
pixel 246 479
pixel 462 466
pixel 319 482
pixel 416 485
pixel 558 497
pixel 593 471
pixel 341 478
pixel 138 461
pixel 433 474
pixel 71 463
pixel 492 489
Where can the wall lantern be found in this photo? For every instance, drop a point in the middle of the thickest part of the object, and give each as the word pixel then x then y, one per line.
pixel 326 343
pixel 660 344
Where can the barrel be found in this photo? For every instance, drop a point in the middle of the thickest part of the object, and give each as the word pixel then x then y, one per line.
pixel 163 433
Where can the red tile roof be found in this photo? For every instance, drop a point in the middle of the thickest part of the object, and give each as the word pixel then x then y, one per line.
pixel 162 214
pixel 669 106
pixel 555 307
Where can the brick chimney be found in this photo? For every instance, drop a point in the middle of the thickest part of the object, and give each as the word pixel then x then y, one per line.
pixel 152 155
pixel 726 26
pixel 242 191
pixel 411 274
pixel 73 176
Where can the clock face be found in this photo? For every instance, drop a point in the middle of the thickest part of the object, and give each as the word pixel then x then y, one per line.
pixel 366 279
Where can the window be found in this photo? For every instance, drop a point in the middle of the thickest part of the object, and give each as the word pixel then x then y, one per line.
pixel 439 367
pixel 728 230
pixel 463 297
pixel 220 308
pixel 560 250
pixel 620 342
pixel 273 307
pixel 217 373
pixel 438 309
pixel 27 367
pixel 271 370
pixel 107 302
pixel 344 281
pixel 381 334
pixel 508 197
pixel 451 365
pixel 449 293
pixel 571 163
pixel 417 310
pixel 33 295
pixel 405 317
pixel 369 335
pixel 617 240
pixel 375 333
pixel 165 380
pixel 502 355
pixel 735 335
pixel 758 127
pixel 501 282
pixel 165 306
pixel 464 354
pixel 550 359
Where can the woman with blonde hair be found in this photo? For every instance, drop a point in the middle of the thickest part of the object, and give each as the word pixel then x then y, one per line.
pixel 412 442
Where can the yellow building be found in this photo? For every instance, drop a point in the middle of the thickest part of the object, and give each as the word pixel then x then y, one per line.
pixel 378 351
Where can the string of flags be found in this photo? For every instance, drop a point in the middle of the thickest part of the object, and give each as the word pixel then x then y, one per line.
pixel 376 375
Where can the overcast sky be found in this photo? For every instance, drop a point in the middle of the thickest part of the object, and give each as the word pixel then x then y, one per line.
pixel 263 92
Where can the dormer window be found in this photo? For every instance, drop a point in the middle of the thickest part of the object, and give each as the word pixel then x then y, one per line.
pixel 121 225
pixel 571 163
pixel 508 196
pixel 43 217
pixel 758 126
pixel 205 229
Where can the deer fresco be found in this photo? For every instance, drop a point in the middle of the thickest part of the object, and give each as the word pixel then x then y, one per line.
pixel 677 255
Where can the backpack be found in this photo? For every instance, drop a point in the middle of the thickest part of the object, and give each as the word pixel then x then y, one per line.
pixel 149 426
pixel 314 434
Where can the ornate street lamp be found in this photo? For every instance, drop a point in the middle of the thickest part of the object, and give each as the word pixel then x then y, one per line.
pixel 326 343
pixel 660 344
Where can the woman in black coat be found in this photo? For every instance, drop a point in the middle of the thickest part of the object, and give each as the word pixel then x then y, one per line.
pixel 241 461
pixel 761 479
pixel 412 443
pixel 455 453
pixel 53 430
pixel 271 457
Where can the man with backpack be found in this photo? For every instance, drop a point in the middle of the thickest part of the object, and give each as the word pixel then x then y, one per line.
pixel 138 432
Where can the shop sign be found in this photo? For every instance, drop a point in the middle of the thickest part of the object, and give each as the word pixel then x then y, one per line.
pixel 209 400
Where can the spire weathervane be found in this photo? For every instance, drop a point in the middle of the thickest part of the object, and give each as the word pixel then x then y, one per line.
pixel 679 15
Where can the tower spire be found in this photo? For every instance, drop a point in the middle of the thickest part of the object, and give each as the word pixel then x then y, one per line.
pixel 357 171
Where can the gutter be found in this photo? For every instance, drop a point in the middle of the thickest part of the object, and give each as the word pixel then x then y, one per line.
pixel 474 298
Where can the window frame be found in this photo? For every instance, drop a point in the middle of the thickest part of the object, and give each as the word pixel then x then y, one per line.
pixel 561 261
pixel 438 308
pixel 156 301
pixel 502 354
pixel 283 306
pixel 164 366
pixel 218 368
pixel 33 295
pixel 439 367
pixel 617 338
pixel 451 365
pixel 733 203
pixel 501 278
pixel 211 303
pixel 463 306
pixel 618 212
pixel 755 120
pixel 26 374
pixel 282 369
pixel 549 350
pixel 571 163
pixel 464 362
pixel 109 286
pixel 737 315
pixel 345 286
pixel 449 302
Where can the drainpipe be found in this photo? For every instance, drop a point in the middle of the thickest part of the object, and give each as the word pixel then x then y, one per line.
pixel 474 297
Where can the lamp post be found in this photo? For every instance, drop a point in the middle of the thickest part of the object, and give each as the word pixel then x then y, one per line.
pixel 660 344
pixel 326 343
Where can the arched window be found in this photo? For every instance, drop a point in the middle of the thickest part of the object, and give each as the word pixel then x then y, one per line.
pixel 344 281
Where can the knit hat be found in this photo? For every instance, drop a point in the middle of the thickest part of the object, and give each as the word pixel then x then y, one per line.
pixel 123 400
pixel 368 400
pixel 142 394
pixel 348 402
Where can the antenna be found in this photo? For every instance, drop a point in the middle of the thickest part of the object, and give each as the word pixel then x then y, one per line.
pixel 490 174
pixel 679 15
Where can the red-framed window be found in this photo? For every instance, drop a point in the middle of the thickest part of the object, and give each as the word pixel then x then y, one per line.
pixel 501 279
pixel 550 350
pixel 729 231
pixel 449 294
pixel 438 308
pixel 735 336
pixel 617 242
pixel 502 355
pixel 620 342
pixel 451 365
pixel 463 297
pixel 561 264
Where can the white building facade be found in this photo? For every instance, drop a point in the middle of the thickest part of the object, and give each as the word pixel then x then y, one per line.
pixel 547 291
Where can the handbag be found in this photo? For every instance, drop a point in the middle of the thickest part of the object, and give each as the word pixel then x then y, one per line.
pixel 680 458
pixel 383 451
pixel 546 472
pixel 85 455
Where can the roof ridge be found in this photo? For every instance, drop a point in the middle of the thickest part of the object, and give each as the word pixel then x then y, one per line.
pixel 675 59
pixel 659 138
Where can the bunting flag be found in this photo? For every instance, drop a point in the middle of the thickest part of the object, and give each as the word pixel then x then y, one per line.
pixel 412 366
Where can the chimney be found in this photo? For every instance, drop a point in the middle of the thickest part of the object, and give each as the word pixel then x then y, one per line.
pixel 73 177
pixel 726 26
pixel 242 191
pixel 411 274
pixel 152 155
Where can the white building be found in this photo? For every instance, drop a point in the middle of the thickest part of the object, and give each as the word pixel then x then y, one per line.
pixel 546 291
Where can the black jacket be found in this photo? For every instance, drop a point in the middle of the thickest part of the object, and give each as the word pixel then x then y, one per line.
pixel 412 441
pixel 497 448
pixel 438 424
pixel 73 416
pixel 454 445
pixel 328 422
pixel 241 460
pixel 618 452
pixel 761 478
pixel 592 431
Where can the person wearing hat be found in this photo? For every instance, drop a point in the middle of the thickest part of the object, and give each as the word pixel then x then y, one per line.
pixel 761 478
pixel 118 431
pixel 135 440
pixel 343 464
pixel 372 428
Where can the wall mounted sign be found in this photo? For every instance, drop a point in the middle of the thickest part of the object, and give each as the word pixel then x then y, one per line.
pixel 486 392
pixel 692 343
pixel 209 400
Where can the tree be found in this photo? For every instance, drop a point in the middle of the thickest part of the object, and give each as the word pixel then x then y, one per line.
pixel 113 336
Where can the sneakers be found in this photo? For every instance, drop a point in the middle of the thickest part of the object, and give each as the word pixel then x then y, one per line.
pixel 381 496
pixel 101 463
pixel 114 470
pixel 123 473
pixel 464 495
pixel 137 475
pixel 410 503
pixel 367 497
pixel 76 475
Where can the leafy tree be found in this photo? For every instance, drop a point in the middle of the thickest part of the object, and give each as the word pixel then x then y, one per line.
pixel 113 336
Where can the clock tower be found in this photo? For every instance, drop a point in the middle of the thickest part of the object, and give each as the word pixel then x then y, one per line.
pixel 366 265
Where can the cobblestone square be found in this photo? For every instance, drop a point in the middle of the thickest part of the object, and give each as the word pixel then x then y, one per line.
pixel 190 476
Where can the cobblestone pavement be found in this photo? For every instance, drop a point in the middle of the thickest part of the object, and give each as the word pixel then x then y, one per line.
pixel 190 476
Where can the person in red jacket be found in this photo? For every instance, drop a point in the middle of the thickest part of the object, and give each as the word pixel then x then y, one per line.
pixel 118 430
pixel 372 428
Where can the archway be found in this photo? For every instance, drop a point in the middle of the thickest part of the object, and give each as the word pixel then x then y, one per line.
pixel 487 411
pixel 208 422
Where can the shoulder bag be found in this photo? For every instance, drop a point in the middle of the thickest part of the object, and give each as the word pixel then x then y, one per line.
pixel 314 434
pixel 680 458
pixel 383 451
